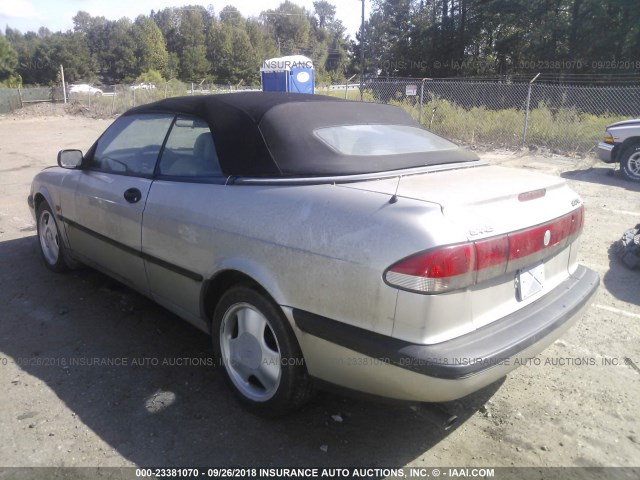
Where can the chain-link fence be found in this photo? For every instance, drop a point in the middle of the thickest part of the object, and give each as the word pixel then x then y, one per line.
pixel 109 100
pixel 117 99
pixel 13 98
pixel 561 118
pixel 567 119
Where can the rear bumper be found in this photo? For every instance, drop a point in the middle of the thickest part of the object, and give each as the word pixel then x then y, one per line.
pixel 604 151
pixel 356 358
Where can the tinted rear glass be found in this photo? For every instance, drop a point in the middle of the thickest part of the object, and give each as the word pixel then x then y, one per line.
pixel 373 140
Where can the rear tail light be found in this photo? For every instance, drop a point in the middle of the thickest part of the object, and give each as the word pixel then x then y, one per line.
pixel 437 270
pixel 458 266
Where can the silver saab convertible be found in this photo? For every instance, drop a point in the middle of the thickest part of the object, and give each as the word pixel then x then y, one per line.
pixel 322 241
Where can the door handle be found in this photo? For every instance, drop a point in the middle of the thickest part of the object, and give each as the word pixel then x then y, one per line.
pixel 133 195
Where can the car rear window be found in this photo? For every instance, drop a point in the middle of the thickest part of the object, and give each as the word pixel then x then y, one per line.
pixel 335 138
pixel 373 140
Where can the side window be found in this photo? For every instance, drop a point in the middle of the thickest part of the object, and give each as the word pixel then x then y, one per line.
pixel 132 144
pixel 190 151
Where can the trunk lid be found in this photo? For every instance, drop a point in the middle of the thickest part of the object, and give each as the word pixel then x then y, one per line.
pixel 484 201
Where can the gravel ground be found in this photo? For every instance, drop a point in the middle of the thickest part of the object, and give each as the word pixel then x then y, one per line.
pixel 576 405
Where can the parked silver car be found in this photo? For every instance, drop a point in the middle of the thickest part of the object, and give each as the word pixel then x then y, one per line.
pixel 322 241
pixel 621 144
pixel 83 88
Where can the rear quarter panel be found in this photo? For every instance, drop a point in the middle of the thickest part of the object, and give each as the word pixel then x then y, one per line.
pixel 318 248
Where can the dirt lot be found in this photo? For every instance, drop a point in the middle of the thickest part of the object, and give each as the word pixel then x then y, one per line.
pixel 577 405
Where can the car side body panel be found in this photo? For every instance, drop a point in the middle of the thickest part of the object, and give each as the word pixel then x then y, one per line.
pixel 319 248
pixel 105 228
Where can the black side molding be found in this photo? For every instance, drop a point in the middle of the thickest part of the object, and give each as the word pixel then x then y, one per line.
pixel 468 354
pixel 132 251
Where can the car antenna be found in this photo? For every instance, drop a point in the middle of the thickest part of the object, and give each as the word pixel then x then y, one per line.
pixel 394 198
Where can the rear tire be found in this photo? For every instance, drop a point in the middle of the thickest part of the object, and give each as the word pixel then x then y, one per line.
pixel 627 249
pixel 262 360
pixel 630 163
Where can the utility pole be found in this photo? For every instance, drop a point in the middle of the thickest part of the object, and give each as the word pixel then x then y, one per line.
pixel 64 86
pixel 526 115
pixel 362 55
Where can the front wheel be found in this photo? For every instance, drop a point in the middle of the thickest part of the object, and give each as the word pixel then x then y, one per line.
pixel 261 356
pixel 630 163
pixel 51 246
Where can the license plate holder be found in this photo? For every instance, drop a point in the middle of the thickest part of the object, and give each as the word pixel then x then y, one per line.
pixel 530 281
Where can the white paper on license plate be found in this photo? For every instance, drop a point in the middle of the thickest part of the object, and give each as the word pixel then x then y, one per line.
pixel 530 281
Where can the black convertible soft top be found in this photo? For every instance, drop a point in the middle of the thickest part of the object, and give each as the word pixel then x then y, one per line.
pixel 272 134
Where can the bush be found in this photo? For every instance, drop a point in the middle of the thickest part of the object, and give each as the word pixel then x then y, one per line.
pixel 153 77
pixel 564 129
pixel 14 81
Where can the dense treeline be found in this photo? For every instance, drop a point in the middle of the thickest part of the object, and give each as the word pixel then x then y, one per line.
pixel 420 38
pixel 190 43
pixel 447 38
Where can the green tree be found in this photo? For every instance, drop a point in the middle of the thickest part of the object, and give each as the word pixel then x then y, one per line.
pixel 24 46
pixel 119 62
pixel 330 53
pixel 232 53
pixel 168 21
pixel 72 52
pixel 189 43
pixel 231 16
pixel 264 44
pixel 83 22
pixel 172 69
pixel 151 50
pixel 8 59
pixel 325 12
pixel 388 36
pixel 290 27
pixel 100 36
pixel 40 68
pixel 194 65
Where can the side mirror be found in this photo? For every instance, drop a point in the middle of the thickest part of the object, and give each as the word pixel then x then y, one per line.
pixel 70 159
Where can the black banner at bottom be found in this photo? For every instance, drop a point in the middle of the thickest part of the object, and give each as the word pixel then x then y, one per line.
pixel 497 473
